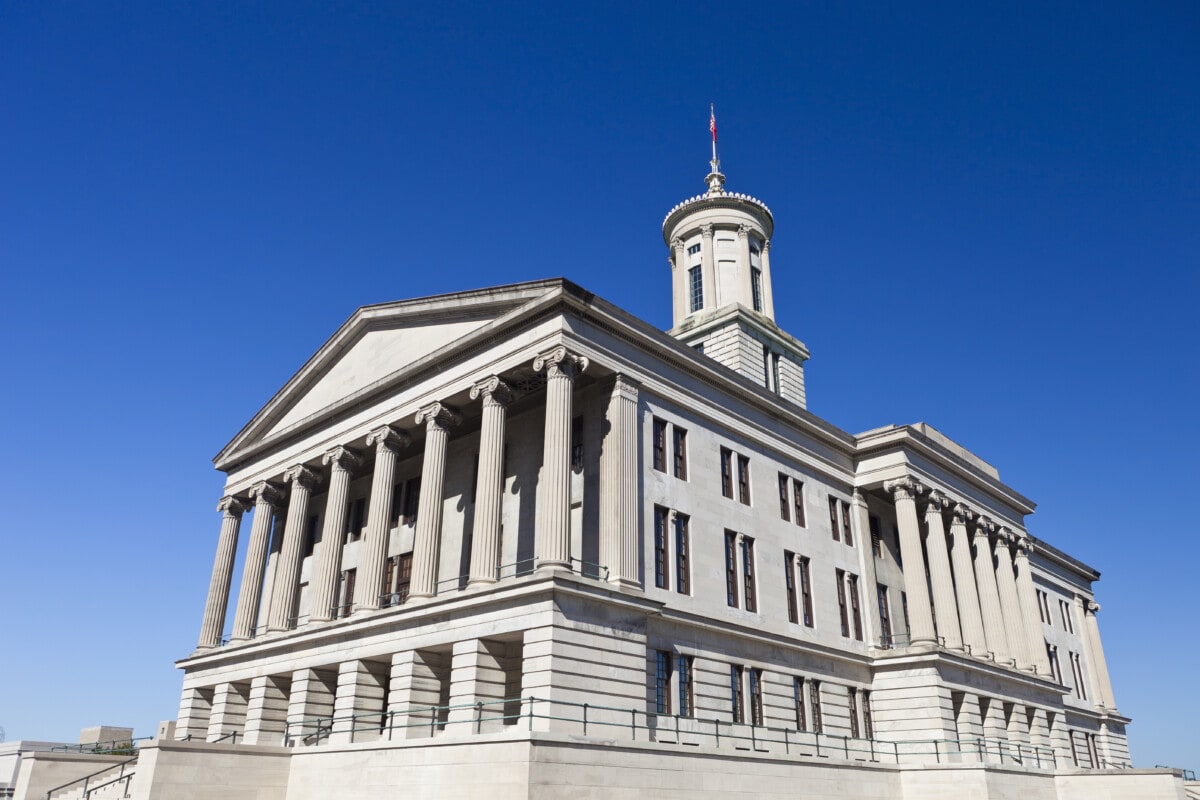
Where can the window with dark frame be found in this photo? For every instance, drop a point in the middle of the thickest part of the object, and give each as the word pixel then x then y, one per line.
pixel 662 682
pixel 661 556
pixel 684 675
pixel 735 693
pixel 756 288
pixel 693 250
pixel 748 573
pixel 679 438
pixel 798 502
pixel 847 535
pixel 876 536
pixel 356 519
pixel 412 500
pixel 789 575
pixel 576 446
pixel 885 613
pixel 345 594
pixel 397 578
pixel 683 583
pixel 855 611
pixel 904 610
pixel 660 445
pixel 312 532
pixel 798 698
pixel 806 605
pixel 841 598
pixel 756 696
pixel 833 519
pixel 785 502
pixel 814 703
pixel 696 288
pixel 852 699
pixel 726 472
pixel 731 592
pixel 868 723
pixel 744 479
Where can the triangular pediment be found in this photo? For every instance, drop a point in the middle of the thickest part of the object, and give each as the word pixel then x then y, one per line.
pixel 375 347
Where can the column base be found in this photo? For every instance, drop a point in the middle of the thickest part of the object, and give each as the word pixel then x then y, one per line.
pixel 923 645
pixel 553 566
pixel 476 582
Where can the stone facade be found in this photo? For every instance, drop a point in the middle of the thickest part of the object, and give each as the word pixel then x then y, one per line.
pixel 520 530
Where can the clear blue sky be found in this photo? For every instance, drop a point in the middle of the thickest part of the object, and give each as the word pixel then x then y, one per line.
pixel 986 220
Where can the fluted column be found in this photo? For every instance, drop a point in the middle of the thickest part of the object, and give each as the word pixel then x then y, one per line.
pixel 283 595
pixel 920 613
pixel 989 594
pixel 944 605
pixel 222 574
pixel 768 293
pixel 866 562
pixel 743 235
pixel 708 266
pixel 679 279
pixel 328 561
pixel 368 584
pixel 438 419
pixel 619 543
pixel 489 486
pixel 553 530
pixel 964 574
pixel 266 498
pixel 1097 665
pixel 1029 607
pixel 1010 602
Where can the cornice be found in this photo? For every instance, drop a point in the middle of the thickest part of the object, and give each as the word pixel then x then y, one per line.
pixel 1049 552
pixel 734 201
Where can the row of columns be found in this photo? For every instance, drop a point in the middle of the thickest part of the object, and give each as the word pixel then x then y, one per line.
pixel 979 599
pixel 618 528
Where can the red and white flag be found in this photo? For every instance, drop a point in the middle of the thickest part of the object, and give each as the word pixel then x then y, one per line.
pixel 712 123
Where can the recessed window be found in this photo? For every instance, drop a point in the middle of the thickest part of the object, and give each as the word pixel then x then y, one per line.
pixel 855 610
pixel 736 672
pixel 662 559
pixel 756 696
pixel 798 700
pixel 876 536
pixel 726 472
pixel 696 288
pixel 748 573
pixel 814 703
pixel 806 602
pixel 791 499
pixel 885 614
pixel 662 682
pixel 679 439
pixel 744 479
pixel 841 598
pixel 852 700
pixel 789 576
pixel 687 705
pixel 834 523
pixel 847 535
pixel 356 519
pixel 660 445
pixel 693 250
pixel 683 546
pixel 731 584
pixel 756 288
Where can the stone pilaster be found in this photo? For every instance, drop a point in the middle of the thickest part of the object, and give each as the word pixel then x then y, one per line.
pixel 230 701
pixel 360 704
pixel 920 613
pixel 476 677
pixel 964 574
pixel 619 540
pixel 866 562
pixel 708 267
pixel 368 586
pixel 222 574
pixel 266 497
pixel 267 709
pixel 553 528
pixel 1010 602
pixel 283 595
pixel 1029 607
pixel 1097 668
pixel 438 420
pixel 989 594
pixel 768 293
pixel 944 604
pixel 328 561
pixel 489 486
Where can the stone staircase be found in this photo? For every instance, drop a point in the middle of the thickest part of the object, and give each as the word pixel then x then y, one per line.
pixel 1192 789
pixel 110 783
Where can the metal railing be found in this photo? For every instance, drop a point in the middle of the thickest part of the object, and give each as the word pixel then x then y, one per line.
pixel 113 747
pixel 427 721
pixel 86 780
pixel 1186 774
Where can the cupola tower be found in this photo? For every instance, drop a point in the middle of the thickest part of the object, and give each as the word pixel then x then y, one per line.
pixel 720 246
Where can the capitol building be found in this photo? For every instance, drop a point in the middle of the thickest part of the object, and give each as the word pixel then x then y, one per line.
pixel 517 543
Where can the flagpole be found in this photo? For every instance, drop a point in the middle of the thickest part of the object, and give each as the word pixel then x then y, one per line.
pixel 712 115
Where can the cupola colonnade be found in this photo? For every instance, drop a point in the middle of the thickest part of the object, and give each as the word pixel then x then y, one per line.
pixel 289 494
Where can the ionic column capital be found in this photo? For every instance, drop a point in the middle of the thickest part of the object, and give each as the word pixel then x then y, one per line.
pixel 984 527
pixel 231 506
pixel 1024 546
pixel 858 498
pixel 265 492
pixel 936 503
pixel 766 245
pixel 438 416
pixel 341 458
pixel 706 231
pixel 301 475
pixel 1091 606
pixel 962 514
pixel 494 391
pixel 743 231
pixel 906 488
pixel 677 243
pixel 560 362
pixel 388 438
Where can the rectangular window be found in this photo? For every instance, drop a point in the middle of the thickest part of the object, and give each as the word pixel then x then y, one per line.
pixel 693 250
pixel 735 693
pixel 841 596
pixel 680 441
pixel 356 519
pixel 756 288
pixel 1080 683
pixel 868 725
pixel 806 604
pixel 683 583
pixel 662 560
pixel 396 579
pixel 412 499
pixel 345 602
pixel 855 611
pixel 687 706
pixel 833 519
pixel 311 532
pixel 904 610
pixel 696 287
pixel 798 502
pixel 785 502
pixel 662 682
pixel 798 698
pixel 748 573
pixel 885 614
pixel 1055 667
pixel 814 704
pixel 789 576
pixel 660 445
pixel 576 446
pixel 744 479
pixel 727 472
pixel 896 540
pixel 731 593
pixel 397 503
pixel 1091 747
pixel 1065 609
pixel 876 536
pixel 852 699
pixel 756 696
pixel 1041 604
pixel 846 534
